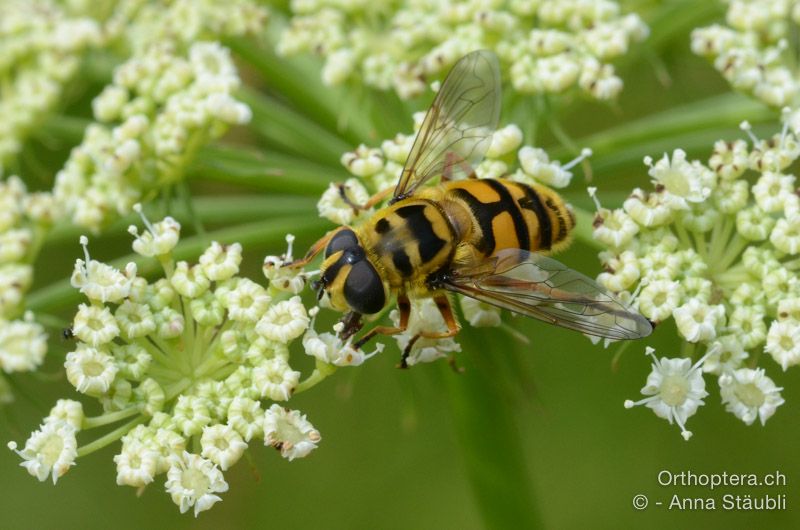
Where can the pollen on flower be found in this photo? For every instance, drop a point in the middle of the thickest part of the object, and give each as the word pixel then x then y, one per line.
pixel 290 432
pixel 749 394
pixel 193 481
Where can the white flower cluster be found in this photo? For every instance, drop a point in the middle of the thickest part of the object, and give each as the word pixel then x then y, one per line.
pixel 549 46
pixel 24 217
pixel 41 48
pixel 197 363
pixel 716 247
pixel 377 169
pixel 160 109
pixel 752 51
pixel 141 24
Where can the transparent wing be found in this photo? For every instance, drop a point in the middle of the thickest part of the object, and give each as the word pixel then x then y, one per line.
pixel 543 288
pixel 458 127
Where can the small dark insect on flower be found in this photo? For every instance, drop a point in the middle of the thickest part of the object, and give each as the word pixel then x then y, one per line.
pixel 67 334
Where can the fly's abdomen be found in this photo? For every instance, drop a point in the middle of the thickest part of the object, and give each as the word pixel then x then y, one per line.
pixel 508 214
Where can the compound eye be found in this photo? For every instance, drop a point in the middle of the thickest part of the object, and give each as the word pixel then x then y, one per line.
pixel 343 239
pixel 363 289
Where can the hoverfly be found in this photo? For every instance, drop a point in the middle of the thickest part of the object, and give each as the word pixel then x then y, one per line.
pixel 482 238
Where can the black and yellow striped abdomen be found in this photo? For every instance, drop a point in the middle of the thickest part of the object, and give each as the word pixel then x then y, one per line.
pixel 416 237
pixel 509 214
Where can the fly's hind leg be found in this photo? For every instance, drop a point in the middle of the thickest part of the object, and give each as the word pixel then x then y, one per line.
pixel 452 160
pixel 443 305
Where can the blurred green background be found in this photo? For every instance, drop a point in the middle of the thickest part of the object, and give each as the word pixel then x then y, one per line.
pixel 528 435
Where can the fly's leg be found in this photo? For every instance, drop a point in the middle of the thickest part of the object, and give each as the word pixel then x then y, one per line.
pixel 375 199
pixel 405 312
pixel 351 323
pixel 443 305
pixel 452 160
pixel 315 249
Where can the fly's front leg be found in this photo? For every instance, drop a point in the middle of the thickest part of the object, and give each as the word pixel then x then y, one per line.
pixel 405 312
pixel 374 200
pixel 351 324
pixel 315 249
pixel 443 305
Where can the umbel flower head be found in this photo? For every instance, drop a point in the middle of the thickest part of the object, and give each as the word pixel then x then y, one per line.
pixel 162 107
pixel 41 48
pixel 24 220
pixel 196 364
pixel 715 247
pixel 43 43
pixel 753 50
pixel 550 46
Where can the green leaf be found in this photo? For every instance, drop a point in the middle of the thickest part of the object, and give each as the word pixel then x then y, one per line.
pixel 298 80
pixel 283 127
pixel 265 170
pixel 212 210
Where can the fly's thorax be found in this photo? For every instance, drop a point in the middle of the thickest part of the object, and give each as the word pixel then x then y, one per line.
pixel 507 214
pixel 350 279
pixel 409 240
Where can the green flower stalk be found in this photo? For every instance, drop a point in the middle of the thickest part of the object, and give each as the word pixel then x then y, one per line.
pixel 547 47
pixel 714 247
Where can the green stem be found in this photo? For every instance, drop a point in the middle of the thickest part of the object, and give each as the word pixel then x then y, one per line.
pixel 737 245
pixel 111 437
pixel 583 229
pixel 683 235
pixel 158 354
pixel 111 417
pixel 720 239
pixel 694 126
pixel 700 245
pixel 320 373
pixel 186 197
pixel 500 477
pixel 566 141
pixel 298 80
pixel 172 391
